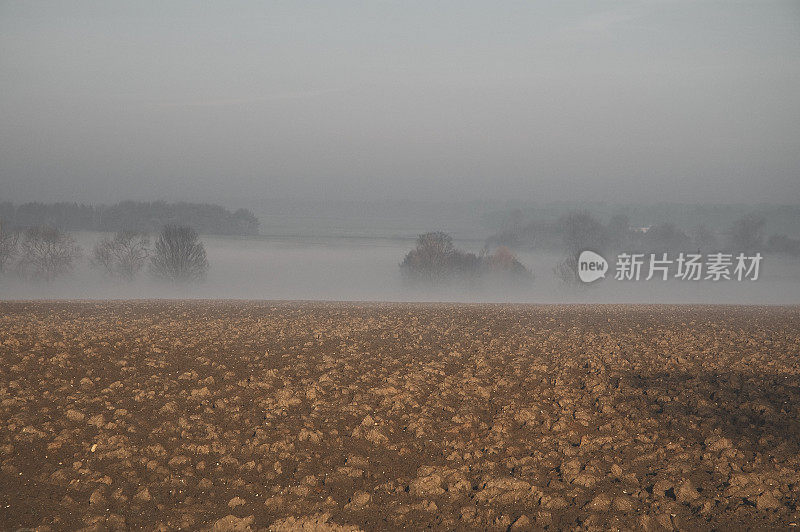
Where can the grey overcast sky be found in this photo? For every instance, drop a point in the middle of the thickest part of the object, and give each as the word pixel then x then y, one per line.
pixel 687 101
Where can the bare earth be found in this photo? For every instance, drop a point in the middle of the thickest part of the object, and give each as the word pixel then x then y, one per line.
pixel 166 415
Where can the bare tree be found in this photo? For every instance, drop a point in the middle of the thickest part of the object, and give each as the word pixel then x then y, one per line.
pixel 124 255
pixel 567 270
pixel 178 255
pixel 579 231
pixel 46 252
pixel 8 247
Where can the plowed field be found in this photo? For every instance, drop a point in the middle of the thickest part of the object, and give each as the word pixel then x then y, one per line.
pixel 167 415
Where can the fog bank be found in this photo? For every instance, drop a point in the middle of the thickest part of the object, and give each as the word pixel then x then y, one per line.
pixel 367 269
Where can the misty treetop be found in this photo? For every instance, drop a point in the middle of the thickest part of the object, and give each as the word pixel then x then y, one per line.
pixel 435 259
pixel 142 217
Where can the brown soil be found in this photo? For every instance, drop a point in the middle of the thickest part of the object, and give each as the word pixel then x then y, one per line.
pixel 165 415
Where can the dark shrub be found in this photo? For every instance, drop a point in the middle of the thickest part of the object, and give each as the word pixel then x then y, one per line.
pixel 436 259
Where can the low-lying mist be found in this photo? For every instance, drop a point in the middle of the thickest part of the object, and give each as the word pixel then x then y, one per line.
pixel 367 269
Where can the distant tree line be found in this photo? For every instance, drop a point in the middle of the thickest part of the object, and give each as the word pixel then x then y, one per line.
pixel 577 231
pixel 581 230
pixel 141 217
